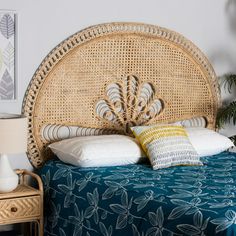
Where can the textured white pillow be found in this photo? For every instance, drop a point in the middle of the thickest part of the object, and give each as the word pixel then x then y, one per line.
pixel 208 142
pixel 94 151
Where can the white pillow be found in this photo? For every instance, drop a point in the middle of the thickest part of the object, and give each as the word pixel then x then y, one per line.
pixel 208 142
pixel 94 151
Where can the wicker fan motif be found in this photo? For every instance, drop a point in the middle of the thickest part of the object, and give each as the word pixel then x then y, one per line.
pixel 128 103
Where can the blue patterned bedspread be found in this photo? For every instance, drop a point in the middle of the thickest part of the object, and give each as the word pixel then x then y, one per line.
pixel 136 200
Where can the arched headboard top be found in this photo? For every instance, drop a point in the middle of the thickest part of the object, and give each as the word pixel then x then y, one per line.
pixel 109 77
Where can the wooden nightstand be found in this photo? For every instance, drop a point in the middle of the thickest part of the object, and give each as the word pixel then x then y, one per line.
pixel 24 204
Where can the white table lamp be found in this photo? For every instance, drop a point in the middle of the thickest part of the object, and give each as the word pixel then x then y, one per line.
pixel 13 139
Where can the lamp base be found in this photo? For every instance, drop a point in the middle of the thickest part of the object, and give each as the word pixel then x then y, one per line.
pixel 8 178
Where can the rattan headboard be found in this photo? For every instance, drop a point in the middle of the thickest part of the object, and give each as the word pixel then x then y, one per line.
pixel 108 77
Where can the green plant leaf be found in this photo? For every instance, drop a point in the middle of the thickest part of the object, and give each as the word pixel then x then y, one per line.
pixel 226 114
pixel 233 139
pixel 227 81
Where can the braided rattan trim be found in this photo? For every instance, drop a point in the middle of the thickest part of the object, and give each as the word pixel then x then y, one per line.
pixel 97 32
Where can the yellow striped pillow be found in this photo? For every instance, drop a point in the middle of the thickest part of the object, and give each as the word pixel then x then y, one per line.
pixel 166 145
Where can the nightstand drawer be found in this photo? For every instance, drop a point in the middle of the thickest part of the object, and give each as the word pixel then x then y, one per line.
pixel 12 209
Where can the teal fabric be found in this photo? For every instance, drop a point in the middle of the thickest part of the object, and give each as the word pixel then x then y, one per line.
pixel 136 200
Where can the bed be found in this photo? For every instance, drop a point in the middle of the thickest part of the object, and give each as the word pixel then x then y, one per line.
pixel 136 200
pixel 103 80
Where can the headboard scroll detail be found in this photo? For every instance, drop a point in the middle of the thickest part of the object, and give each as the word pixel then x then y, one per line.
pixel 129 102
pixel 52 133
pixel 108 77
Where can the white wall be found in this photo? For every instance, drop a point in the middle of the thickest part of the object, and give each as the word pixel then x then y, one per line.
pixel 42 24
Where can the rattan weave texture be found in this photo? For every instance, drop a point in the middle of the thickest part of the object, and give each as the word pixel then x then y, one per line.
pixel 24 204
pixel 114 75
pixel 25 207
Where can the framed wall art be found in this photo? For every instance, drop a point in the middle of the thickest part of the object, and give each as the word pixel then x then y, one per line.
pixel 7 55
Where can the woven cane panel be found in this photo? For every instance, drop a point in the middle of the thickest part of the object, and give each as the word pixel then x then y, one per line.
pixel 19 208
pixel 112 76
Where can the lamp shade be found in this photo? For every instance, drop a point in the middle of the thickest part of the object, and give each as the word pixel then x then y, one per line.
pixel 13 133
